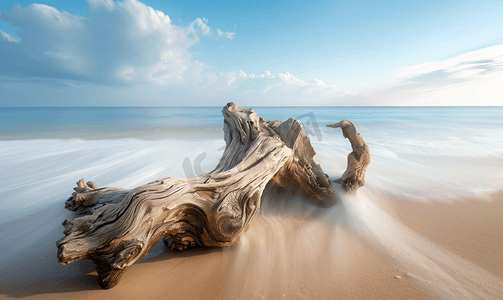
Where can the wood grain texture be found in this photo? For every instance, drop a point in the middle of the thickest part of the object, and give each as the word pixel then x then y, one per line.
pixel 117 226
pixel 358 160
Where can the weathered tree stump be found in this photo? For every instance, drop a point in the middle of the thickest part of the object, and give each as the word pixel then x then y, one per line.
pixel 119 226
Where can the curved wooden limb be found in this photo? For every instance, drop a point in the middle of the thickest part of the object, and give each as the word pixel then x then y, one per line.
pixel 301 175
pixel 210 210
pixel 358 160
pixel 117 235
pixel 88 198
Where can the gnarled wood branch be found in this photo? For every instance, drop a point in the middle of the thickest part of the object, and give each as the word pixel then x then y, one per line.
pixel 358 160
pixel 120 226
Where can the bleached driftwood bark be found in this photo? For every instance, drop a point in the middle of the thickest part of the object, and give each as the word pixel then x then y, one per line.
pixel 358 160
pixel 120 226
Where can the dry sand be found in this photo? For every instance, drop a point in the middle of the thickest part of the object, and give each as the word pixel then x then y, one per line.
pixel 283 257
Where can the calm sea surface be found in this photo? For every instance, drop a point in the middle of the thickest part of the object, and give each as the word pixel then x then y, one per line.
pixel 117 122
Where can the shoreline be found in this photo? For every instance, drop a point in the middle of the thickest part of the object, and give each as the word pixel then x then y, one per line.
pixel 259 267
pixel 285 257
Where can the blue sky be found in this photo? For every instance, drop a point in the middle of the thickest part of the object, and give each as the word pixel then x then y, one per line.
pixel 106 53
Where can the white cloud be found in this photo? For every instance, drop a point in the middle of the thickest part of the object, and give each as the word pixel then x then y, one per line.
pixel 131 44
pixel 9 38
pixel 117 36
pixel 269 86
pixel 227 35
pixel 201 24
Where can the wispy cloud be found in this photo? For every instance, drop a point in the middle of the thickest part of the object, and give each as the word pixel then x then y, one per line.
pixel 466 67
pixel 9 38
pixel 268 82
pixel 472 78
pixel 227 35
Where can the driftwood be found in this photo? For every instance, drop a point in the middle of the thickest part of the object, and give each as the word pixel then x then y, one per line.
pixel 358 160
pixel 119 226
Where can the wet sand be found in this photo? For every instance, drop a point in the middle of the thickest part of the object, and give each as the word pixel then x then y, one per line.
pixel 278 258
pixel 282 257
pixel 470 227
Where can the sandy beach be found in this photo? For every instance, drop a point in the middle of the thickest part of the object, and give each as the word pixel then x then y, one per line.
pixel 282 257
pixel 426 225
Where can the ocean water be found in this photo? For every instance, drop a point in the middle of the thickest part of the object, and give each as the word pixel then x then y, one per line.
pixel 418 153
pixel 83 122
